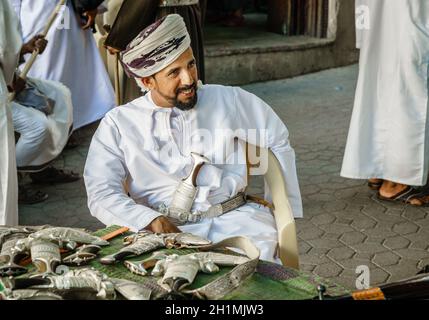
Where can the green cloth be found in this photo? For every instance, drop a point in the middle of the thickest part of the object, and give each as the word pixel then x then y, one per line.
pixel 270 282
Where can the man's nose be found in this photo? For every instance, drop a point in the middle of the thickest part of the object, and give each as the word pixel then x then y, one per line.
pixel 186 78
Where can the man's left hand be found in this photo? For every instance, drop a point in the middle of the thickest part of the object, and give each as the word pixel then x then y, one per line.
pixel 90 15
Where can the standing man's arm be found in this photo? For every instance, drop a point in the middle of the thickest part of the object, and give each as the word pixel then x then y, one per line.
pixel 253 113
pixel 105 176
pixel 133 17
pixel 88 9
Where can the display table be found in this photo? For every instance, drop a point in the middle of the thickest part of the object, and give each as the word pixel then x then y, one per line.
pixel 270 282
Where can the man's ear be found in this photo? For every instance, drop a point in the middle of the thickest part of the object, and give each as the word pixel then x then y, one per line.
pixel 148 82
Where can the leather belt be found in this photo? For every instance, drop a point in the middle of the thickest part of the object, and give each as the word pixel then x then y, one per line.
pixel 213 212
pixel 176 3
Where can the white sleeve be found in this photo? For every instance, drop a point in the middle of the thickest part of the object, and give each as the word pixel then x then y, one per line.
pixel 105 176
pixel 253 113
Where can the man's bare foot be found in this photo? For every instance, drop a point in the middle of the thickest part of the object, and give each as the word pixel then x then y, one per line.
pixel 390 189
pixel 402 193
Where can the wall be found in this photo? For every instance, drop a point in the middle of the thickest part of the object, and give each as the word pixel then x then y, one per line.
pixel 294 57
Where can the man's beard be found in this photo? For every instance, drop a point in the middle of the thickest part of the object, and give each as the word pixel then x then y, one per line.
pixel 186 106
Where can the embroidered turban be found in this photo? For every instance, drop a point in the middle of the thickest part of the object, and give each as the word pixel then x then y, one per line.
pixel 156 47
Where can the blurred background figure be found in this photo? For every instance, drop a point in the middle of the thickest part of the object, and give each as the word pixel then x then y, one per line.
pixel 72 58
pixel 389 130
pixel 10 47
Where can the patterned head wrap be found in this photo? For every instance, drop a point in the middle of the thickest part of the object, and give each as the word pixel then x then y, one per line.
pixel 156 47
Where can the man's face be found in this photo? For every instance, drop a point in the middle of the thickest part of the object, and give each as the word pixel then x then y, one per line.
pixel 176 85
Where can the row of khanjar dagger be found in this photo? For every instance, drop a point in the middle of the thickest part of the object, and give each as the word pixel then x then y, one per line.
pixel 53 248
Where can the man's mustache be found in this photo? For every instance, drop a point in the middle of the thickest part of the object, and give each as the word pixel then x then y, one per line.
pixel 192 86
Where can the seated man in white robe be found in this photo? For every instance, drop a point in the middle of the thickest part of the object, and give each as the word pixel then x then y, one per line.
pixel 42 115
pixel 143 150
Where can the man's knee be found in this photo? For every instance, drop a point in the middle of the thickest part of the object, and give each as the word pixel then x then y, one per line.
pixel 38 129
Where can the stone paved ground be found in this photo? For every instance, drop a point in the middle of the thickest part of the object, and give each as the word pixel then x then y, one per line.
pixel 345 226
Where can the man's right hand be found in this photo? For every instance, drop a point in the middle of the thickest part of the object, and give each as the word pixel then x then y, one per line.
pixel 112 50
pixel 162 225
pixel 18 85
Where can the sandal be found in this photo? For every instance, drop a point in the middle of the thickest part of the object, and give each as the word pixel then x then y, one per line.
pixel 72 143
pixel 405 196
pixel 375 185
pixel 52 175
pixel 29 196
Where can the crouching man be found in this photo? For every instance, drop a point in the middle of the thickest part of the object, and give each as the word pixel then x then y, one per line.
pixel 42 115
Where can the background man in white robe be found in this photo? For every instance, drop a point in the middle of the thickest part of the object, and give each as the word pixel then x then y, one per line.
pixel 10 47
pixel 73 59
pixel 42 115
pixel 142 150
pixel 388 138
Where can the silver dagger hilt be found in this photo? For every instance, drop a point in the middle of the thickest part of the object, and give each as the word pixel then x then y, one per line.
pixel 199 162
pixel 186 192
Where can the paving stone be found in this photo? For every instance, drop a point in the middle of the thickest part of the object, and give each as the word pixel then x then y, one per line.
pixel 341 253
pixel 423 223
pixel 346 282
pixel 378 277
pixel 405 228
pixel 413 213
pixel 374 240
pixel 312 259
pixel 319 252
pixel 323 219
pixel 345 194
pixel 336 228
pixel 312 208
pixel 310 233
pixel 307 267
pixel 374 209
pixel 325 243
pixel 364 223
pixel 321 197
pixel 364 256
pixel 403 270
pixel 328 270
pixel 396 243
pixel 413 254
pixel 352 264
pixel 345 221
pixel 303 247
pixel 372 248
pixel 349 214
pixel 394 212
pixel 423 263
pixel 379 232
pixel 419 240
pixel 331 236
pixel 353 237
pixel 386 259
pixel 311 189
pixel 386 220
pixel 336 205
pixel 321 179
